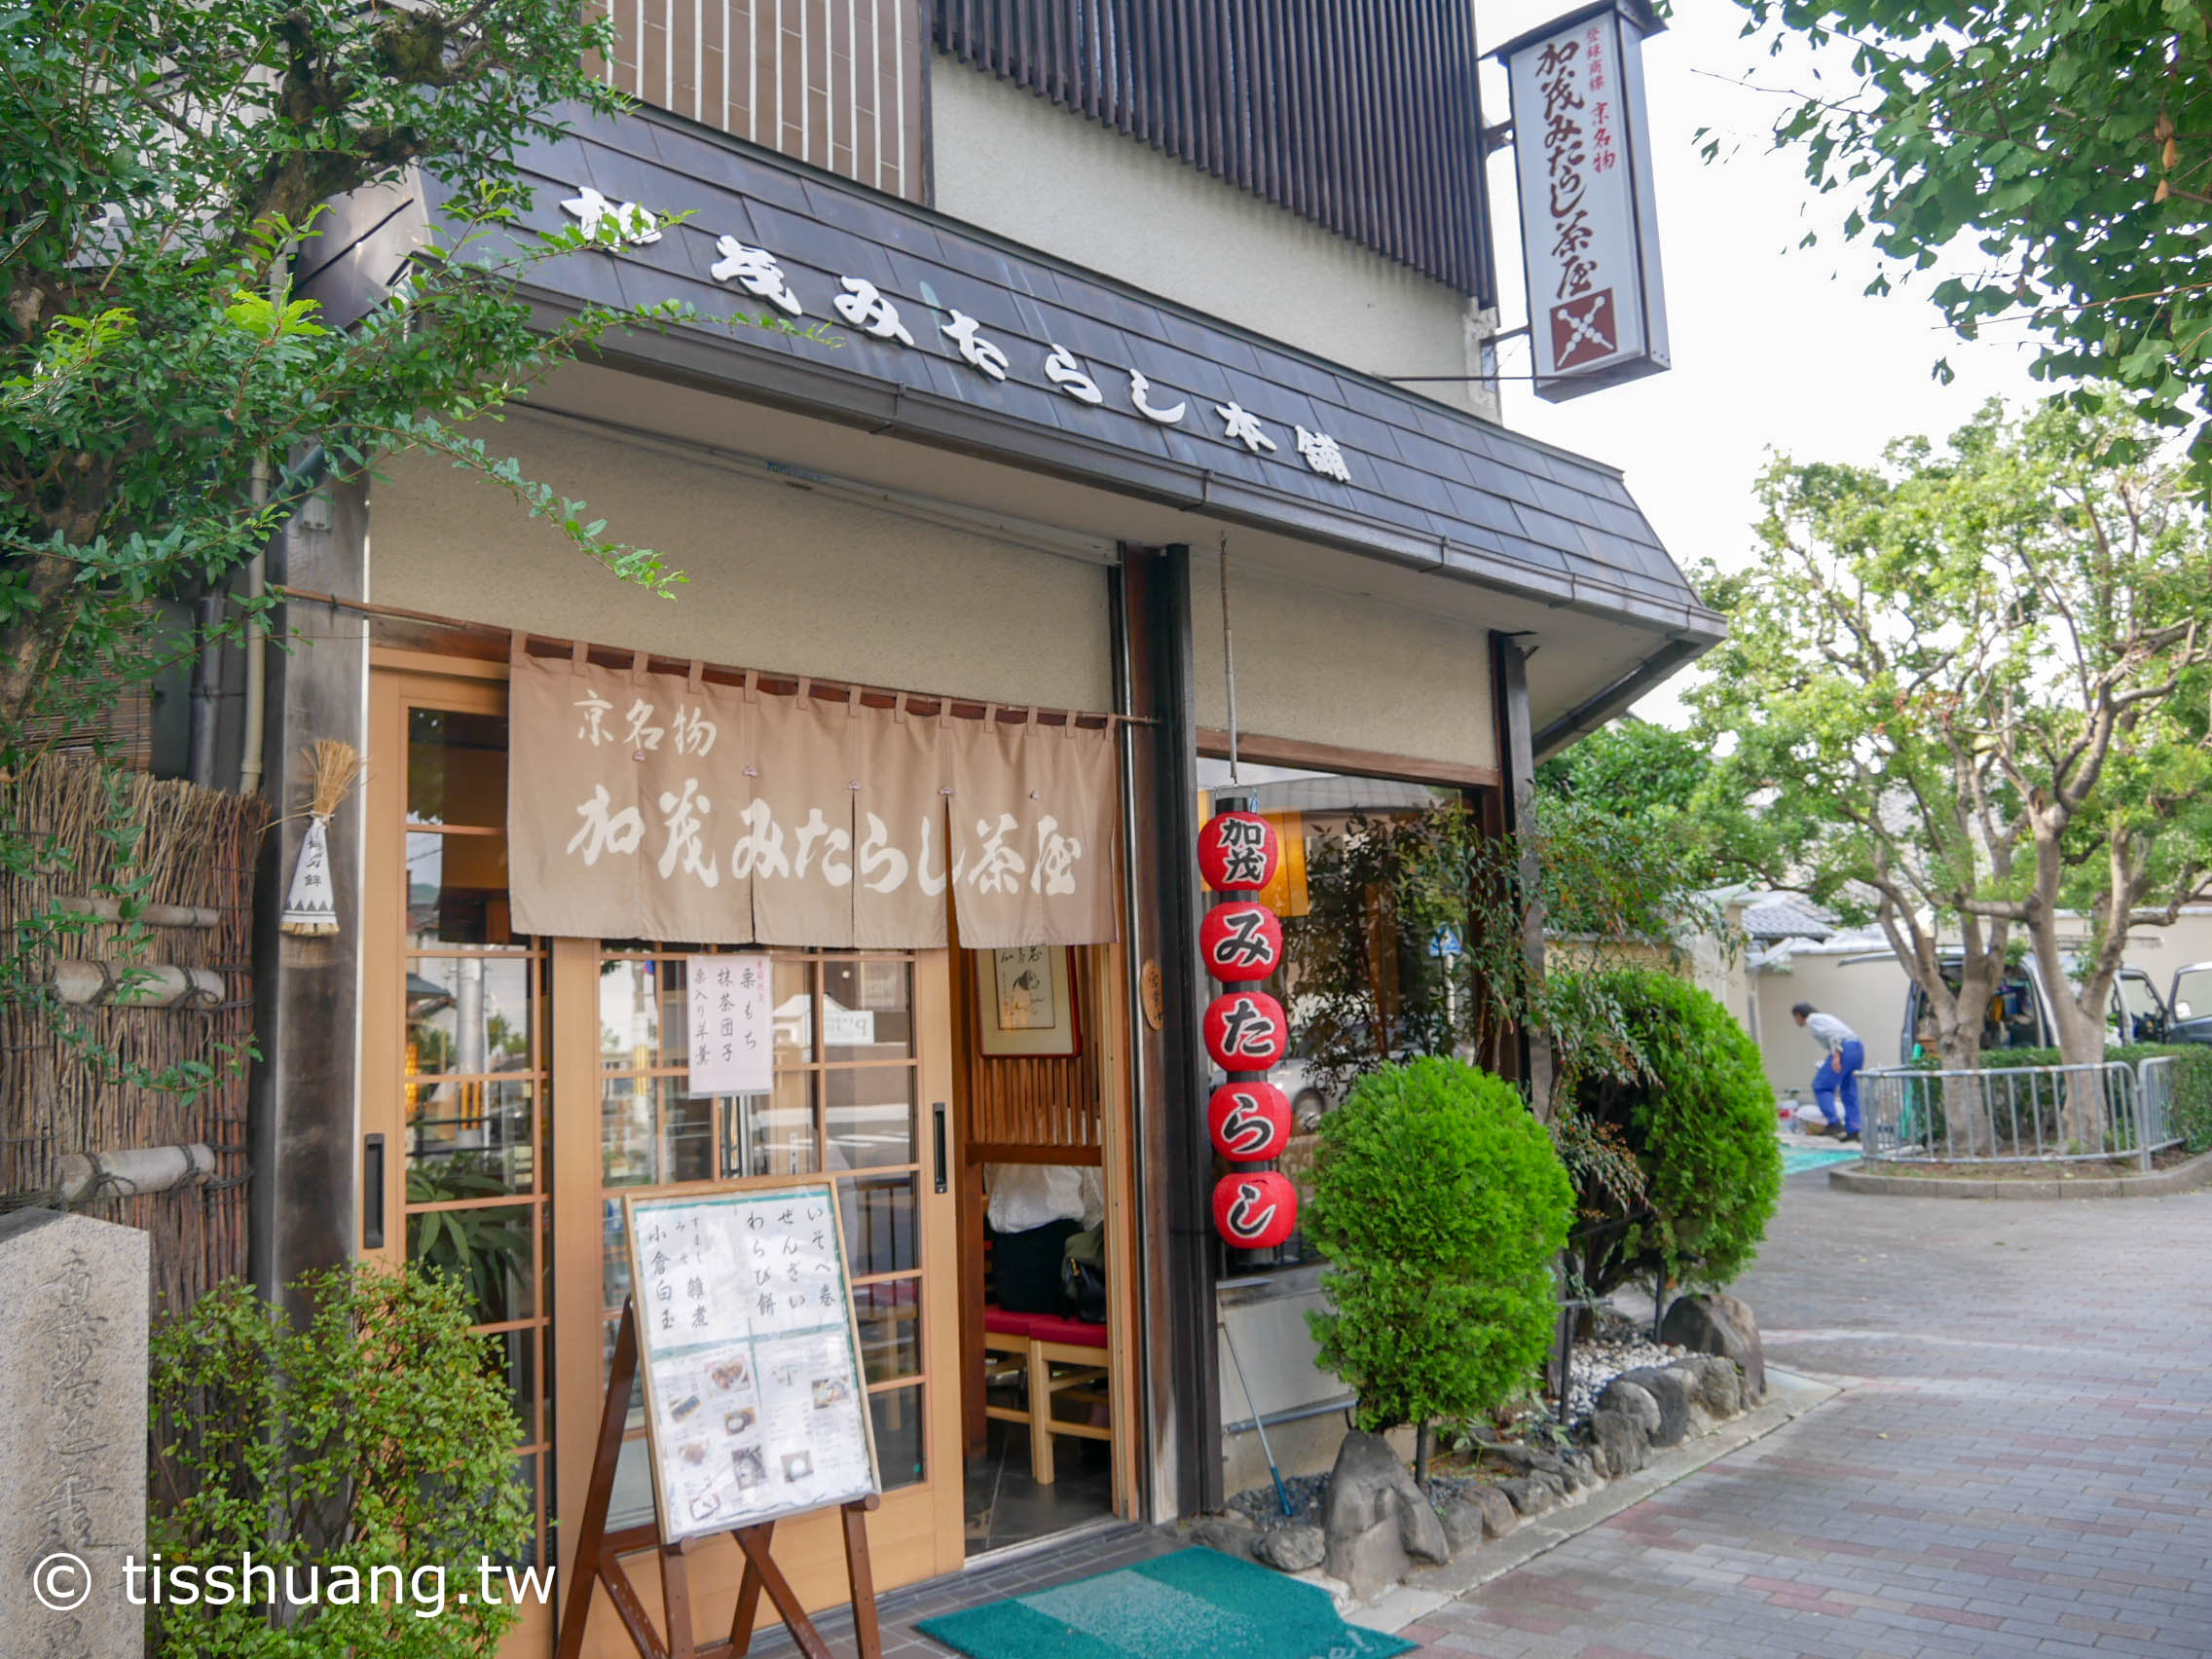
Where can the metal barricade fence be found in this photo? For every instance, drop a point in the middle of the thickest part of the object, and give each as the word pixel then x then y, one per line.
pixel 2017 1114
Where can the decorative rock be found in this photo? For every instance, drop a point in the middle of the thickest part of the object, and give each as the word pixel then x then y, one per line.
pixel 73 1303
pixel 1673 1391
pixel 1500 1517
pixel 1718 1323
pixel 1231 1535
pixel 1463 1527
pixel 1582 1471
pixel 1291 1549
pixel 1621 1440
pixel 1376 1519
pixel 1526 1461
pixel 1719 1387
pixel 1633 1402
pixel 1531 1496
pixel 1475 1514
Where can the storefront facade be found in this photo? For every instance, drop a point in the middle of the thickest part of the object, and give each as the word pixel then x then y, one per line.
pixel 960 505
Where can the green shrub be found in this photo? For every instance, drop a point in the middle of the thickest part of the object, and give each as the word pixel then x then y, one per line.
pixel 1440 1204
pixel 1698 1122
pixel 377 1435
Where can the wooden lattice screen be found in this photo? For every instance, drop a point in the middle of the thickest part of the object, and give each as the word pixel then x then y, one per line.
pixel 1027 1109
pixel 190 851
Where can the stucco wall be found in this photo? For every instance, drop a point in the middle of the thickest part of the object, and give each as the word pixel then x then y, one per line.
pixel 1015 164
pixel 1323 665
pixel 782 577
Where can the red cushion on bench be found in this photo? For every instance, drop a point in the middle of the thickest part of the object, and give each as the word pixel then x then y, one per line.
pixel 1003 1323
pixel 1050 1328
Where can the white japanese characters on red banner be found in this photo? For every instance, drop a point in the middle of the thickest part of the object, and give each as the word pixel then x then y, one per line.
pixel 755 1404
pixel 1246 1032
pixel 1589 236
pixel 647 805
pixel 733 1033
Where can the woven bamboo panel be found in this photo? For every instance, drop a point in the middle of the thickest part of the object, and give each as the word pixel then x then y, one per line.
pixel 68 1075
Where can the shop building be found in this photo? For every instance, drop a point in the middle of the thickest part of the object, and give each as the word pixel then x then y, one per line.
pixel 1058 345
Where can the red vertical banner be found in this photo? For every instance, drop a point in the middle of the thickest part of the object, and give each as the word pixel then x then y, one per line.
pixel 1255 1208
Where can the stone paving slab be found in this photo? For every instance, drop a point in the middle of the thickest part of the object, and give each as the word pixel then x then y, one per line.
pixel 2020 1461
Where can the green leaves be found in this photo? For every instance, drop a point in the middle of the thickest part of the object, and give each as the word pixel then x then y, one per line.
pixel 1440 1206
pixel 2070 142
pixel 374 1431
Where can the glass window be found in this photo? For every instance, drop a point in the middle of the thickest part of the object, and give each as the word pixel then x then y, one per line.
pixel 868 1011
pixel 890 1319
pixel 880 1232
pixel 772 1135
pixel 897 1415
pixel 1355 988
pixel 870 1112
pixel 472 1059
pixel 457 769
pixel 650 1134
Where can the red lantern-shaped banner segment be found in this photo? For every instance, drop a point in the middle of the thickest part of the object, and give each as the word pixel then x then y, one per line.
pixel 1250 1122
pixel 1245 1031
pixel 1255 1212
pixel 1238 852
pixel 1240 941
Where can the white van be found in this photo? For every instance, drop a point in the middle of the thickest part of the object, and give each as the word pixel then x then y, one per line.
pixel 2020 1014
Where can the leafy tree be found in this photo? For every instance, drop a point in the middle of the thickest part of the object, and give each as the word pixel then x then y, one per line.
pixel 1440 1206
pixel 1965 690
pixel 1635 769
pixel 166 398
pixel 378 1434
pixel 1368 990
pixel 160 161
pixel 2071 144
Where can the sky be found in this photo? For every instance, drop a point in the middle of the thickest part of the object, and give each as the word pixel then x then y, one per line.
pixel 1775 347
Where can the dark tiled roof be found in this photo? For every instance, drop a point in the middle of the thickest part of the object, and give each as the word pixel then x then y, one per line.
pixel 1429 486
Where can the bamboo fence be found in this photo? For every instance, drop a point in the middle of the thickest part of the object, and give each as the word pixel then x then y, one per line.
pixel 104 840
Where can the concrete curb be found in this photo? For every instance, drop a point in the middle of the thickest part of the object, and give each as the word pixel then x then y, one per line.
pixel 1789 1396
pixel 2181 1178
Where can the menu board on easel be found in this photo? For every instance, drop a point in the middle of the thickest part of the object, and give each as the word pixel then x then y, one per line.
pixel 756 1407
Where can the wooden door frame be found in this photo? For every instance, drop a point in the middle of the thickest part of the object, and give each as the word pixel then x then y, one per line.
pixel 398 678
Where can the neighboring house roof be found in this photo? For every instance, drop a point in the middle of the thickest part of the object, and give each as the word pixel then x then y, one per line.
pixel 1785 916
pixel 1428 487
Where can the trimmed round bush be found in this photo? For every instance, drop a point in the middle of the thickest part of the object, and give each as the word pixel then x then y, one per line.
pixel 1441 1206
pixel 1700 1125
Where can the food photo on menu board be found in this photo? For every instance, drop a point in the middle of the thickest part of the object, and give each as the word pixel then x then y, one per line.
pixel 756 1408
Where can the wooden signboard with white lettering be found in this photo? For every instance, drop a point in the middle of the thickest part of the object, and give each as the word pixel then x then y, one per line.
pixel 740 1326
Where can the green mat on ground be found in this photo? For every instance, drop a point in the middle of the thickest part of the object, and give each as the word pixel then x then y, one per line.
pixel 1796 1160
pixel 1193 1604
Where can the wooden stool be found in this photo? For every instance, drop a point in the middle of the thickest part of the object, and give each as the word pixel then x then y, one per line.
pixel 1041 1341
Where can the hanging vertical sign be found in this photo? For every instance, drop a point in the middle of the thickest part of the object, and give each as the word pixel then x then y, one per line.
pixel 732 1025
pixel 1246 1032
pixel 1589 218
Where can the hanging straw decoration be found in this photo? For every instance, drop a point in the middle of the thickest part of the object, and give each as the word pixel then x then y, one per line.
pixel 311 907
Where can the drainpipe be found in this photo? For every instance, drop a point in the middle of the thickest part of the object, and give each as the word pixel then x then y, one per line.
pixel 256 583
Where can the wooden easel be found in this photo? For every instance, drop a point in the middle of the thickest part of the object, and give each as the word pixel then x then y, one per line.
pixel 599 1553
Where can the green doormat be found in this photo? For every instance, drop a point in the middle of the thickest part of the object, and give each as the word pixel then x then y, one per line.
pixel 1193 1604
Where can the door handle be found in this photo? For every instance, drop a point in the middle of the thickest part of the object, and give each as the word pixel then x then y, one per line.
pixel 937 1112
pixel 372 1197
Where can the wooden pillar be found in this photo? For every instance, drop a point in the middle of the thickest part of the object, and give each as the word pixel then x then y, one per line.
pixel 1183 1391
pixel 1517 767
pixel 304 1114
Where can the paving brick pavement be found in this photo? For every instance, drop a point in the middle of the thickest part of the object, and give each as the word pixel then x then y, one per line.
pixel 2022 1463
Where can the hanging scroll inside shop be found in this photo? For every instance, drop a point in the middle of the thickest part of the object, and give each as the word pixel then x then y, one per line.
pixel 755 1404
pixel 670 806
pixel 1246 1033
pixel 1589 218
